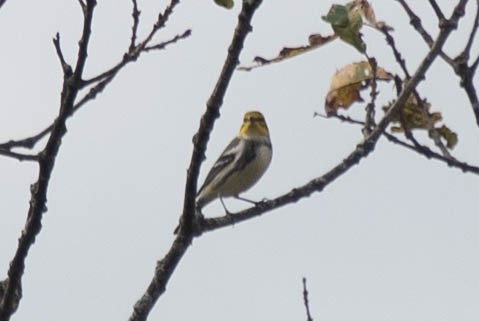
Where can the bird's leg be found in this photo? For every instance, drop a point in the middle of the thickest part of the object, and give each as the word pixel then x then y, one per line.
pixel 248 200
pixel 224 206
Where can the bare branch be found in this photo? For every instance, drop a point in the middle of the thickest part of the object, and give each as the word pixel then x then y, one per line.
pixel 83 6
pixel 467 50
pixel 437 10
pixel 397 55
pixel 416 23
pixel 28 142
pixel 83 43
pixel 416 147
pixel 160 23
pixel 371 106
pixel 67 69
pixel 167 265
pixel 18 156
pixel 47 157
pixel 306 301
pixel 466 74
pixel 163 44
pixel 102 80
pixel 428 153
pixel 134 52
pixel 134 29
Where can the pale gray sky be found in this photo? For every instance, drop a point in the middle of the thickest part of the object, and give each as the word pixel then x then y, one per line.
pixel 394 239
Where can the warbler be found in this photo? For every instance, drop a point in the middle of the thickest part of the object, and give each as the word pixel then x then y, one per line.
pixel 241 164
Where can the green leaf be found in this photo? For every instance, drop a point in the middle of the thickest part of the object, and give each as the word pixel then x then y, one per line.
pixel 228 4
pixel 448 135
pixel 346 22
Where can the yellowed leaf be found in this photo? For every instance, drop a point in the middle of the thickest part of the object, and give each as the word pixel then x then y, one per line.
pixel 449 136
pixel 416 115
pixel 347 83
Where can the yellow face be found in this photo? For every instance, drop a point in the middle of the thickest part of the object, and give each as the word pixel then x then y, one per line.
pixel 254 124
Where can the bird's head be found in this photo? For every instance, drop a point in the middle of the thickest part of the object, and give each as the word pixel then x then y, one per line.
pixel 254 125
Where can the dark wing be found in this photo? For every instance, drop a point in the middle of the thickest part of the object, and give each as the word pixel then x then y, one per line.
pixel 225 159
pixel 247 156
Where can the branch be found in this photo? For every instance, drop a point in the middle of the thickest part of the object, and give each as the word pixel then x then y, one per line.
pixel 306 301
pixel 397 55
pixel 363 149
pixel 166 266
pixel 163 44
pixel 460 66
pixel 428 153
pixel 67 69
pixel 467 50
pixel 101 80
pixel 415 146
pixel 460 63
pixel 371 106
pixel 135 14
pixel 135 51
pixel 416 23
pixel 106 77
pixel 28 142
pixel 18 156
pixel 437 10
pixel 47 157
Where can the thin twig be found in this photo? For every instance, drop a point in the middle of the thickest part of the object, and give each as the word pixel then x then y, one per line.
pixel 134 29
pixel 428 153
pixel 101 81
pixel 416 23
pixel 67 69
pixel 306 301
pixel 105 78
pixel 83 6
pixel 18 156
pixel 163 44
pixel 397 55
pixel 466 74
pixel 415 146
pixel 437 10
pixel 371 106
pixel 28 142
pixel 467 50
pixel 132 55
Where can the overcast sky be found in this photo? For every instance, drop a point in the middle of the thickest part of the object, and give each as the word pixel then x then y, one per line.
pixel 393 239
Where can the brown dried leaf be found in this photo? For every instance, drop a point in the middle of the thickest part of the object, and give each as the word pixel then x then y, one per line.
pixel 347 83
pixel 367 12
pixel 315 40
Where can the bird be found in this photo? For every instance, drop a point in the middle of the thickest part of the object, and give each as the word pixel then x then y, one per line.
pixel 242 163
